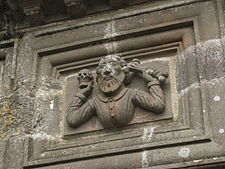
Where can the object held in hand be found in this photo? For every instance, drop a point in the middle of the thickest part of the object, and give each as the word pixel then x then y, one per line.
pixel 85 77
pixel 135 66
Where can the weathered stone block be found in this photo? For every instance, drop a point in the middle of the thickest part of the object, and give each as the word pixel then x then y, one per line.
pixel 38 80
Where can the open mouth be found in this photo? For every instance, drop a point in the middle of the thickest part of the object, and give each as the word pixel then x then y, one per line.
pixel 83 85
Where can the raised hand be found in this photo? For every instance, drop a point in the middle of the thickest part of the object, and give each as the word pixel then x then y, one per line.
pixel 161 77
pixel 135 66
pixel 147 76
pixel 87 90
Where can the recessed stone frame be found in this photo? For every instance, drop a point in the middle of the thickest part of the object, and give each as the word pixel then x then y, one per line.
pixel 8 53
pixel 190 125
pixel 174 37
pixel 152 45
pixel 65 59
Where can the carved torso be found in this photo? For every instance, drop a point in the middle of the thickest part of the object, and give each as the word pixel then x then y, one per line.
pixel 115 111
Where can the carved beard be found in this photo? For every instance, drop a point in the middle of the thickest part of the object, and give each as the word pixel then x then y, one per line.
pixel 111 85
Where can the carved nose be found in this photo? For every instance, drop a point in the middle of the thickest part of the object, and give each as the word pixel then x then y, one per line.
pixel 107 71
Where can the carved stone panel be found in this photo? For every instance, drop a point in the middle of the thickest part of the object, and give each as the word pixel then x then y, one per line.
pixel 140 116
pixel 167 40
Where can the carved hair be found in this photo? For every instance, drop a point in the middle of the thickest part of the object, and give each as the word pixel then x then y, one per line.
pixel 118 59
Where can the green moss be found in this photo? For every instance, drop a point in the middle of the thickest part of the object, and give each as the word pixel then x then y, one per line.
pixel 7 118
pixel 3 134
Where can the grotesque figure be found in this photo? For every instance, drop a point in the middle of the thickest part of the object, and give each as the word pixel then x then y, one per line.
pixel 114 104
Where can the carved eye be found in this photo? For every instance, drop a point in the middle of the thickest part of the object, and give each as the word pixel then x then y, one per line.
pixel 113 64
pixel 85 74
pixel 79 74
pixel 101 66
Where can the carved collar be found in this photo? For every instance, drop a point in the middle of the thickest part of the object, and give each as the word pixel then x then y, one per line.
pixel 106 99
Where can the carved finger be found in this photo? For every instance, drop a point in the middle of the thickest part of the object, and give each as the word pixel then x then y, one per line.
pixel 147 76
pixel 90 85
pixel 135 68
pixel 150 71
pixel 156 73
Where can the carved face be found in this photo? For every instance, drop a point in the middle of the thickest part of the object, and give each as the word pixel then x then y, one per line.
pixel 110 75
pixel 84 78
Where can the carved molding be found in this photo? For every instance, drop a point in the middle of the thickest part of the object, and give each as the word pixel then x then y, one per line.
pixel 75 8
pixel 221 12
pixel 189 123
pixel 118 3
pixel 69 63
pixel 6 51
pixel 172 49
pixel 33 11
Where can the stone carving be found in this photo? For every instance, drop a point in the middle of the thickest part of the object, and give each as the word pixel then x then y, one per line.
pixel 84 78
pixel 114 103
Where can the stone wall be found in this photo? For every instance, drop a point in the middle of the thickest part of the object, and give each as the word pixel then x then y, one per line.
pixel 38 81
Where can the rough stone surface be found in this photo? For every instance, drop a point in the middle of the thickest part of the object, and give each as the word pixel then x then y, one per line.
pixel 38 62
